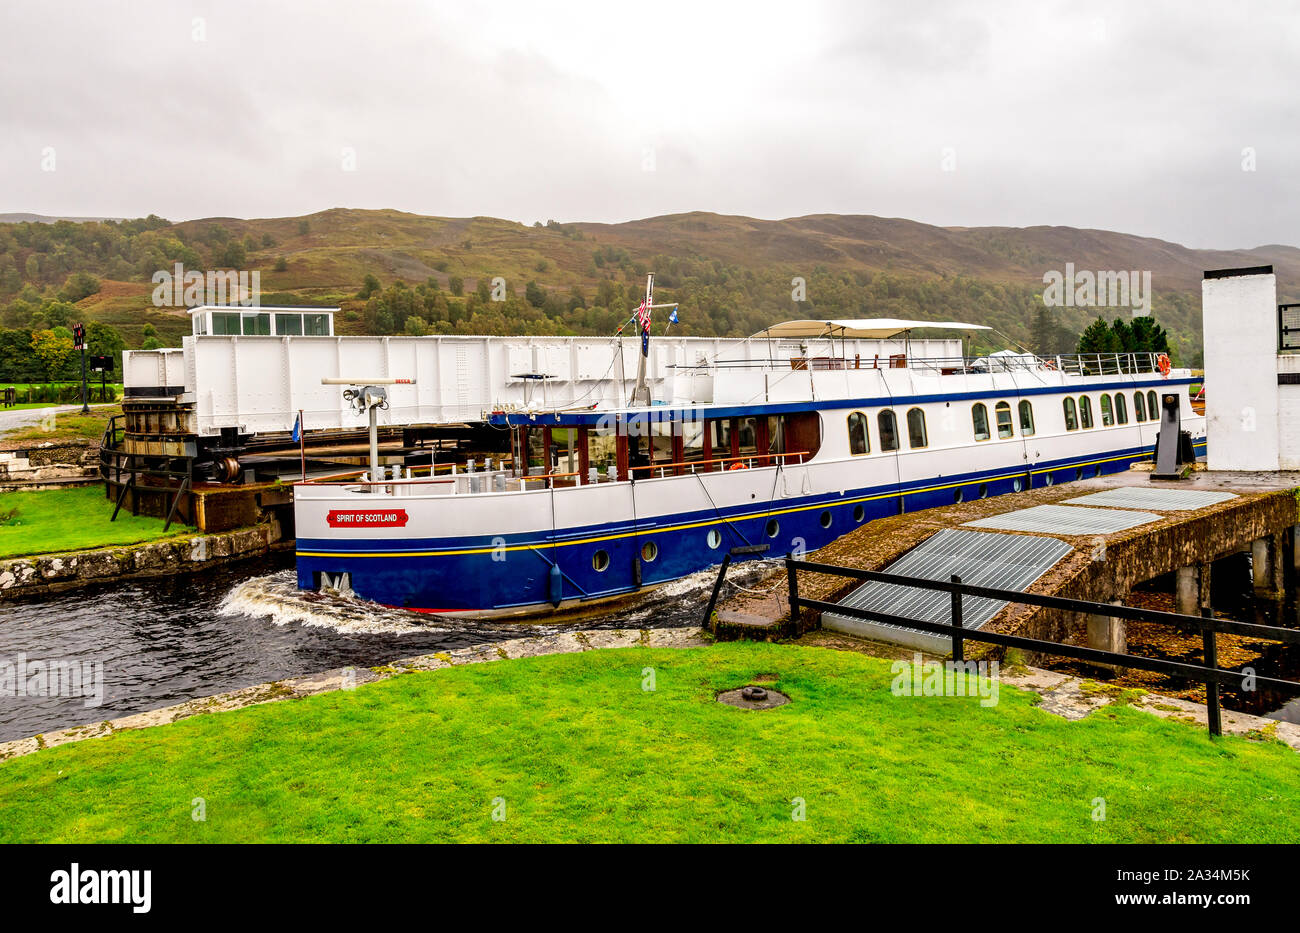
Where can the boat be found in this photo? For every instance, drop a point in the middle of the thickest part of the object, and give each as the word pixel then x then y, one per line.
pixel 789 451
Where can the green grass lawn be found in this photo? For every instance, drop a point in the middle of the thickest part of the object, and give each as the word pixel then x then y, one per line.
pixel 50 520
pixel 576 750
pixel 68 426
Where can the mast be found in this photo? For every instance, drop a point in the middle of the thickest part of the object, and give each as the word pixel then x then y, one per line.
pixel 641 391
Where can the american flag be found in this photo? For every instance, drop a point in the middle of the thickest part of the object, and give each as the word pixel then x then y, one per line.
pixel 643 317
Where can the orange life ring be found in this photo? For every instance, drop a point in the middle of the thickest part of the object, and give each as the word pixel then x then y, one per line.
pixel 736 466
pixel 1163 364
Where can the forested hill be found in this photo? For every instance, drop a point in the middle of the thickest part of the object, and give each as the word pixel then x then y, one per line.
pixel 402 273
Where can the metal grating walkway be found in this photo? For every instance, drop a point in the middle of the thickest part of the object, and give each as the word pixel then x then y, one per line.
pixel 1152 497
pixel 1066 520
pixel 981 558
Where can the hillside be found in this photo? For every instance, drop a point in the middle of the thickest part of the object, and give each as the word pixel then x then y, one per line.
pixel 731 275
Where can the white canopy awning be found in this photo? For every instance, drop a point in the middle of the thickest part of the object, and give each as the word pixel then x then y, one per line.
pixel 868 328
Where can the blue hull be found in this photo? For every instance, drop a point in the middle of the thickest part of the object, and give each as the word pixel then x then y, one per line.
pixel 491 573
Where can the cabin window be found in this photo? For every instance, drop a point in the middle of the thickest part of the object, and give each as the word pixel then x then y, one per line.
pixel 288 325
pixel 225 323
pixel 858 441
pixel 692 441
pixel 775 435
pixel 748 431
pixel 916 428
pixel 1153 409
pixel 1139 407
pixel 1107 414
pixel 1121 408
pixel 887 429
pixel 316 325
pixel 1002 414
pixel 1085 411
pixel 1071 417
pixel 721 446
pixel 1026 418
pixel 257 325
pixel 979 416
pixel 200 324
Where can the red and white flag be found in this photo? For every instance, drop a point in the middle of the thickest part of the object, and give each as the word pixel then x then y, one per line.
pixel 643 316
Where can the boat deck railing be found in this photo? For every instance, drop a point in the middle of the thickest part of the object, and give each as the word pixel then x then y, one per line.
pixel 1082 364
pixel 401 482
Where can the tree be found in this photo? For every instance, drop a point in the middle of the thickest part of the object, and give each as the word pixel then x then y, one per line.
pixel 534 294
pixel 281 265
pixel 369 286
pixel 304 228
pixel 1099 337
pixel 233 256
pixel 78 286
pixel 457 285
pixel 103 340
pixel 53 348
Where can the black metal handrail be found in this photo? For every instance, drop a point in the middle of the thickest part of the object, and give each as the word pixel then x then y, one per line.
pixel 1209 673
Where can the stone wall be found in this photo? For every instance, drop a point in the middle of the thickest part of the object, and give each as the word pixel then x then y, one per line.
pixel 52 573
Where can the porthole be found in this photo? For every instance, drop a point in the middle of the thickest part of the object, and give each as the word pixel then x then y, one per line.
pixel 826 519
pixel 1078 473
pixel 957 496
pixel 600 561
pixel 1017 484
pixel 773 528
pixel 1096 471
pixel 714 539
pixel 649 551
pixel 984 490
pixel 859 513
pixel 1049 480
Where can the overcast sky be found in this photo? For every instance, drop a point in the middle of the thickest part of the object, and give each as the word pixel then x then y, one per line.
pixel 1123 116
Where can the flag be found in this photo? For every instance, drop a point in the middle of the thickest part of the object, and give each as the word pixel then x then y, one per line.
pixel 643 316
pixel 672 318
pixel 297 429
pixel 645 343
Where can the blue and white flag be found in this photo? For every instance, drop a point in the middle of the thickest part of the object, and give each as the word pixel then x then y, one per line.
pixel 297 429
pixel 672 318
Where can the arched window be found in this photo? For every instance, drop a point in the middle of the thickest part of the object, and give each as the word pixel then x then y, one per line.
pixel 1002 415
pixel 887 429
pixel 1139 407
pixel 1153 408
pixel 1071 418
pixel 1121 408
pixel 859 443
pixel 979 416
pixel 916 428
pixel 1085 411
pixel 1107 413
pixel 1026 418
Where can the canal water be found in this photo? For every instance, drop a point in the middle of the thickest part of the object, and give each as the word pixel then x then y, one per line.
pixel 168 640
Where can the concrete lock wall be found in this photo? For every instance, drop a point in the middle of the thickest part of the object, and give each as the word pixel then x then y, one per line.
pixel 1241 329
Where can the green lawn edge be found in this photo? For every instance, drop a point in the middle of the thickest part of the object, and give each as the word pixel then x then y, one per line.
pixel 573 748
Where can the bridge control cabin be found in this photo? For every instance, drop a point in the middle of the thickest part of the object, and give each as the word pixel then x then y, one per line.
pixel 259 321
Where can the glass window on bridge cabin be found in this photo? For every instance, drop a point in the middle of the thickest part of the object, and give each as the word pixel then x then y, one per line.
pixel 916 436
pixel 1139 407
pixel 1085 411
pixel 316 325
pixel 1026 418
pixel 1107 414
pixel 887 428
pixel 1002 415
pixel 859 443
pixel 225 323
pixel 1152 407
pixel 661 436
pixel 288 325
pixel 1071 415
pixel 979 416
pixel 257 324
pixel 1121 408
